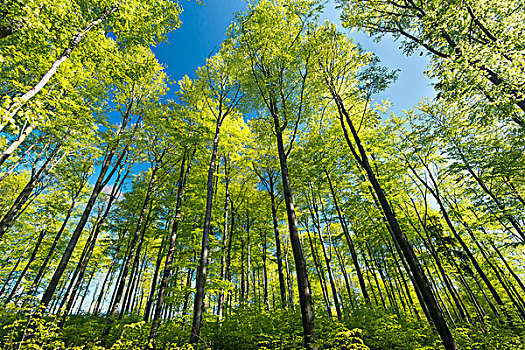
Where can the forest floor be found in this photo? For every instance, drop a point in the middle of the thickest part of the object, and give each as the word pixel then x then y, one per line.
pixel 254 328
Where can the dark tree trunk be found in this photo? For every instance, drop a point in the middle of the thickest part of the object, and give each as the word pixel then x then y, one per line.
pixel 198 306
pixel 511 270
pixel 228 255
pixel 17 208
pixel 345 276
pixel 372 271
pixel 135 269
pixel 103 289
pixel 349 241
pixel 26 268
pixel 420 279
pixel 220 302
pixel 122 281
pixel 265 273
pixel 305 295
pixel 101 182
pixel 436 194
pixel 13 270
pixel 289 280
pixel 248 258
pixel 320 275
pixel 153 286
pixel 327 255
pixel 278 253
pixel 43 267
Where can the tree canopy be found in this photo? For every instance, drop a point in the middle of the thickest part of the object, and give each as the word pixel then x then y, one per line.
pixel 269 201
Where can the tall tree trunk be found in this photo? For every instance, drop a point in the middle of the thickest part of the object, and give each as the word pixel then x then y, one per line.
pixel 305 295
pixel 135 269
pixel 86 291
pixel 198 306
pixel 349 241
pixel 463 313
pixel 421 280
pixel 153 286
pixel 491 194
pixel 16 209
pixel 121 283
pixel 42 269
pixel 511 270
pixel 108 278
pixel 220 302
pixel 13 270
pixel 265 273
pixel 248 258
pixel 278 253
pixel 327 255
pixel 243 280
pixel 102 180
pixel 289 280
pixel 372 271
pixel 434 190
pixel 228 255
pixel 84 260
pixel 26 268
pixel 74 283
pixel 351 296
pixel 22 100
pixel 320 274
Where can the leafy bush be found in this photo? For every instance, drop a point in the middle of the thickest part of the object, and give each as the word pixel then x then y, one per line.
pixel 491 336
pixel 250 328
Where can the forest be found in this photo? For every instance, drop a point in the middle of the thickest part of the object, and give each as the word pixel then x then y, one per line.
pixel 273 201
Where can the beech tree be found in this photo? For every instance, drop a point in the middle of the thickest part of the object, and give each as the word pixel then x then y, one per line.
pixel 129 220
pixel 473 46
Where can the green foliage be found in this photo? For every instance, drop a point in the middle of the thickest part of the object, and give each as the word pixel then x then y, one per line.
pixel 490 336
pixel 389 330
pixel 278 72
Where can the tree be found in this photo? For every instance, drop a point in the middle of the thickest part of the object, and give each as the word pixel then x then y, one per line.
pixel 131 23
pixel 272 45
pixel 474 47
pixel 338 76
pixel 221 95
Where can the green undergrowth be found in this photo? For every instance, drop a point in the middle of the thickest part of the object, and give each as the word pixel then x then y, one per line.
pixel 251 328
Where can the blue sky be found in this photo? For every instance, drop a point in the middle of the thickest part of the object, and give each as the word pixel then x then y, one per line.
pixel 204 27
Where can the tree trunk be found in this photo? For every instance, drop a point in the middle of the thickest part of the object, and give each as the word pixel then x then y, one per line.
pixel 122 281
pixel 22 100
pixel 320 275
pixel 351 296
pixel 36 177
pixel 108 278
pixel 220 302
pixel 289 280
pixel 514 275
pixel 135 269
pixel 265 274
pixel 26 268
pixel 198 306
pixel 8 279
pixel 349 241
pixel 153 286
pixel 305 295
pixel 420 279
pixel 278 253
pixel 43 267
pixel 248 258
pixel 84 260
pixel 102 180
pixel 327 255
pixel 436 194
